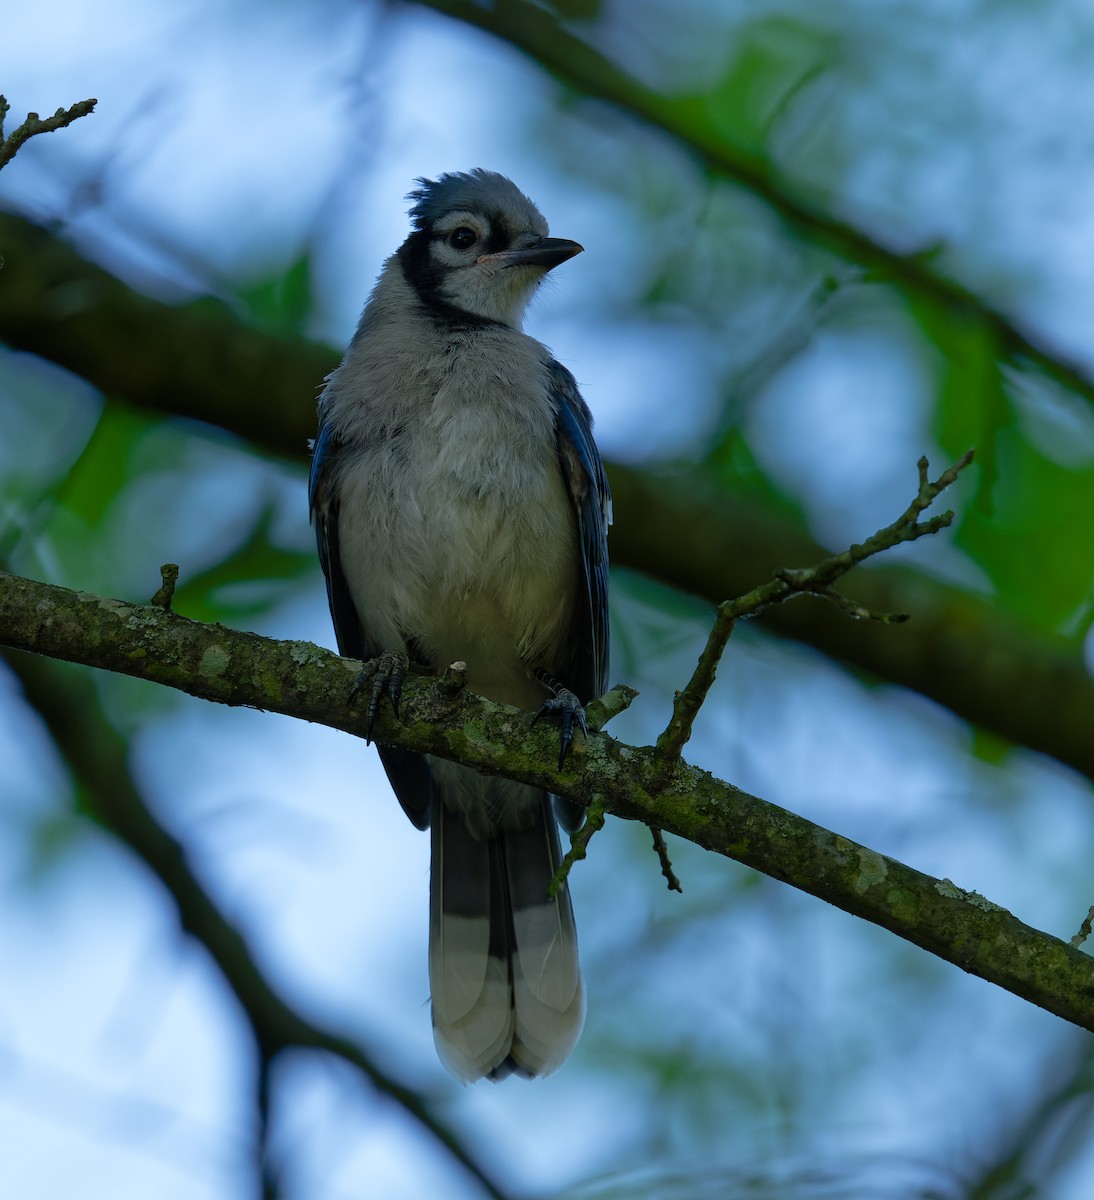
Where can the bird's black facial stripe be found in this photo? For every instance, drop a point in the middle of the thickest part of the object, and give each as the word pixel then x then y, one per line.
pixel 421 272
pixel 499 237
pixel 425 276
pixel 429 260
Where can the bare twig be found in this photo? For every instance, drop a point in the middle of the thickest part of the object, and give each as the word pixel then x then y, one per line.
pixel 579 844
pixel 1084 929
pixel 819 580
pixel 614 701
pixel 165 593
pixel 666 862
pixel 9 146
pixel 268 1176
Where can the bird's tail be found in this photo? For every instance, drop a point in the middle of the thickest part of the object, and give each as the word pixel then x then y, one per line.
pixel 503 967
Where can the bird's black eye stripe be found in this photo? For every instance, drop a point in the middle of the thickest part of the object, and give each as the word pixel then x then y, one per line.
pixel 462 238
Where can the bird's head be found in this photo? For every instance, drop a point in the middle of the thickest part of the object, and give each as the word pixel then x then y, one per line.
pixel 479 245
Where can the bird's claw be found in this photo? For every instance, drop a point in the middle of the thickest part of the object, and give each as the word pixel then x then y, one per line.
pixel 387 672
pixel 566 705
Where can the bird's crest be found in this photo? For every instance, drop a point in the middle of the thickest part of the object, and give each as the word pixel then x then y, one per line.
pixel 474 191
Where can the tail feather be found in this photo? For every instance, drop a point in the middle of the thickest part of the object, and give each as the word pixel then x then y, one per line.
pixel 468 961
pixel 503 966
pixel 548 992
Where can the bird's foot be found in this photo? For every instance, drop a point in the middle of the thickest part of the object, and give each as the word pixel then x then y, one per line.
pixel 386 672
pixel 568 707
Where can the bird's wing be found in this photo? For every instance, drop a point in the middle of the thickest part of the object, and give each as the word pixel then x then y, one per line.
pixel 586 670
pixel 408 772
pixel 323 503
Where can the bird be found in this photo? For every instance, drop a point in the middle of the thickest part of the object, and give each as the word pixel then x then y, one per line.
pixel 461 511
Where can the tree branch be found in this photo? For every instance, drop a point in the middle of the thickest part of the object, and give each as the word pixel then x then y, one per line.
pixel 302 680
pixel 819 580
pixel 201 361
pixel 1029 688
pixel 535 31
pixel 9 146
pixel 97 756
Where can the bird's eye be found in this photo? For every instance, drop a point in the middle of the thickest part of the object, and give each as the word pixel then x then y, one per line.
pixel 462 238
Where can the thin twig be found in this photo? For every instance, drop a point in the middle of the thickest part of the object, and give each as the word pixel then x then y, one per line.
pixel 267 1173
pixel 600 711
pixel 666 862
pixel 165 593
pixel 579 845
pixel 818 580
pixel 9 146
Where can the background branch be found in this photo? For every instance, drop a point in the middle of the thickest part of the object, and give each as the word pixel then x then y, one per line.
pixel 683 527
pixel 97 757
pixel 805 270
pixel 302 680
pixel 537 33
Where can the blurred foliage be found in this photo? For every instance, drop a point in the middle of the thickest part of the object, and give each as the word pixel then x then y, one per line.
pixel 1032 511
pixel 814 1179
pixel 734 1018
pixel 258 574
pixel 772 63
pixel 282 302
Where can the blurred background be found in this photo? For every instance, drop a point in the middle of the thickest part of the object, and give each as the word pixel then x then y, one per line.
pixel 821 241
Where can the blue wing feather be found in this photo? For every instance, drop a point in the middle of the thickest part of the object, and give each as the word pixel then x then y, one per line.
pixel 583 471
pixel 323 504
pixel 408 772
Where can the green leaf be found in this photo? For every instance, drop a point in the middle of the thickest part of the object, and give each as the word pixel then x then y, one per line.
pixel 281 303
pixel 1036 539
pixel 971 403
pixel 106 464
pixel 249 580
pixel 1030 524
pixel 774 60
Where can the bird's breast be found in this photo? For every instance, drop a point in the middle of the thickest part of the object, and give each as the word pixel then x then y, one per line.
pixel 457 533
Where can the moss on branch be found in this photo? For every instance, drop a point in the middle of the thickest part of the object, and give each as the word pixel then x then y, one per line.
pixel 34 125
pixel 201 361
pixel 305 681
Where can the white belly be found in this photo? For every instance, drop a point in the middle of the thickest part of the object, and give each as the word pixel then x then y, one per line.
pixel 471 559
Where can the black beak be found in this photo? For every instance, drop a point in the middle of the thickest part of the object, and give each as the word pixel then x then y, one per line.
pixel 544 252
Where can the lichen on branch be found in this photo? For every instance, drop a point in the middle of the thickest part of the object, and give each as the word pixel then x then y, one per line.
pixel 305 681
pixel 34 124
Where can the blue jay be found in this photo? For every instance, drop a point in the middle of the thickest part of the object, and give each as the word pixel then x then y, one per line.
pixel 461 512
